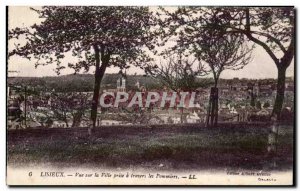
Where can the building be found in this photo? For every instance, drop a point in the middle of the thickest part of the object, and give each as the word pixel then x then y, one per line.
pixel 121 83
pixel 137 85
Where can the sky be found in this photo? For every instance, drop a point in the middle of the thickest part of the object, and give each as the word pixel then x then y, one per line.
pixel 261 65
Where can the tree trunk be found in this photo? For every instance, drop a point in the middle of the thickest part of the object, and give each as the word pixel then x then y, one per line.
pixel 65 119
pixel 208 112
pixel 280 92
pixel 95 99
pixel 77 119
pixel 216 107
pixel 273 142
pixel 99 73
pixel 282 64
pixel 66 122
pixel 212 113
pixel 181 115
pixel 252 101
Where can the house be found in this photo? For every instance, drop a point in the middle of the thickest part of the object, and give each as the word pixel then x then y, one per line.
pixel 193 118
pixel 263 112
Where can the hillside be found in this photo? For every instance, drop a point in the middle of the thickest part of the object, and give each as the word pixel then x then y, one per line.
pixel 85 82
pixel 79 82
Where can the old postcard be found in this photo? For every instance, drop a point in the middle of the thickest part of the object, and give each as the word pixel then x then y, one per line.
pixel 130 95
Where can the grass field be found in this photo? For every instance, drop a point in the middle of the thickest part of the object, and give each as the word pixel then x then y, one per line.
pixel 173 147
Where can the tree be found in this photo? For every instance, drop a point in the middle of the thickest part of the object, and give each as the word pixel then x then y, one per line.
pixel 96 36
pixel 179 72
pixel 69 105
pixel 277 26
pixel 258 105
pixel 266 104
pixel 221 52
pixel 198 32
pixel 252 99
pixel 272 28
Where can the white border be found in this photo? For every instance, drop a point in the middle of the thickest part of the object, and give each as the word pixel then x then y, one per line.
pixel 3 4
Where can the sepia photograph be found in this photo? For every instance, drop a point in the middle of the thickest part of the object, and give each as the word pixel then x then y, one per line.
pixel 150 95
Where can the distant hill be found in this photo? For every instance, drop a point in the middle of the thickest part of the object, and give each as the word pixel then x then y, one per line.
pixel 85 82
pixel 80 82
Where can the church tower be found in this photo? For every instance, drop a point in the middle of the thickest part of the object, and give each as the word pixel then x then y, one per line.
pixel 121 82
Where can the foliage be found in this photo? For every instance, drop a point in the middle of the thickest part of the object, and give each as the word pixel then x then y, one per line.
pixel 197 31
pixel 258 104
pixel 119 31
pixel 266 105
pixel 99 36
pixel 69 105
pixel 272 28
pixel 179 73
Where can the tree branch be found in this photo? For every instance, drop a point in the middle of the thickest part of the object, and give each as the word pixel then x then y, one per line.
pixel 247 32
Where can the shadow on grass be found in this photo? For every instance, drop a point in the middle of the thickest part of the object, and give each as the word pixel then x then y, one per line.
pixel 174 148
